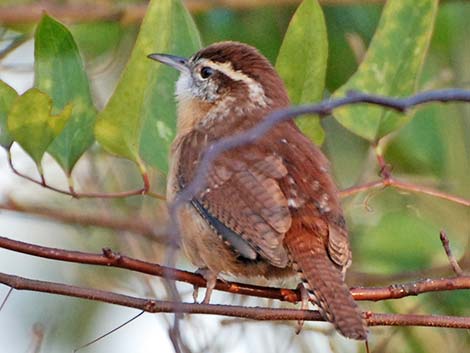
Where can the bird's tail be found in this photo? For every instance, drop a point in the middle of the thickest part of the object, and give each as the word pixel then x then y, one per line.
pixel 324 281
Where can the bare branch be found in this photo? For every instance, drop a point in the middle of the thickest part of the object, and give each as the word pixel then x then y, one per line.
pixel 401 185
pixel 112 259
pixel 131 13
pixel 71 192
pixel 6 298
pixel 109 332
pixel 255 313
pixel 397 291
pixel 96 219
pixel 417 320
pixel 388 180
pixel 453 262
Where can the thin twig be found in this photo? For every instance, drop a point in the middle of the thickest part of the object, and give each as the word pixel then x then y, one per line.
pixel 5 299
pixel 132 224
pixel 401 185
pixel 78 195
pixel 453 262
pixel 387 179
pixel 109 332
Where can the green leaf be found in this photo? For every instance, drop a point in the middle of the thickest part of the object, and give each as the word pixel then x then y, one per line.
pixel 398 235
pixel 98 38
pixel 140 116
pixel 32 125
pixel 302 62
pixel 59 72
pixel 7 97
pixel 419 148
pixel 391 66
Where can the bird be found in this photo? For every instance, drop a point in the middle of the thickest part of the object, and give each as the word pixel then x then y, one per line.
pixel 269 208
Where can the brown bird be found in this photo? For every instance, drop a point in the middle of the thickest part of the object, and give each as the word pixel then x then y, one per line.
pixel 269 208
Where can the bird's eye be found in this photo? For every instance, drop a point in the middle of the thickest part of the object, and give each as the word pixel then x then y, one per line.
pixel 206 71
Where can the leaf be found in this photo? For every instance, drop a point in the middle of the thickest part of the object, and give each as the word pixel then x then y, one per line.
pixel 59 72
pixel 32 125
pixel 7 97
pixel 99 38
pixel 141 116
pixel 391 66
pixel 302 62
pixel 398 234
pixel 419 148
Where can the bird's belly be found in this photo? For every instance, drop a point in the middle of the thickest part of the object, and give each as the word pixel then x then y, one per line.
pixel 206 249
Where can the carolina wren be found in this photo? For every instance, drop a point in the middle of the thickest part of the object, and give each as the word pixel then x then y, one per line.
pixel 269 208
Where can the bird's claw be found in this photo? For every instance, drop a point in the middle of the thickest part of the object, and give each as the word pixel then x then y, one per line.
pixel 211 279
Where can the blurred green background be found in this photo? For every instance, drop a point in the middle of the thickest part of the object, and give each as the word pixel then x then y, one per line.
pixel 395 235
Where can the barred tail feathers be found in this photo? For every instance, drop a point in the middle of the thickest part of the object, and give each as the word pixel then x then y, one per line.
pixel 324 281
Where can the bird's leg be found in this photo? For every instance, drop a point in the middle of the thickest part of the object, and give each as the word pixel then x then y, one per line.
pixel 211 279
pixel 304 299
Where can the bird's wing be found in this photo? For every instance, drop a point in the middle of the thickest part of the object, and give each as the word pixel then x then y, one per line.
pixel 253 193
pixel 311 192
pixel 243 201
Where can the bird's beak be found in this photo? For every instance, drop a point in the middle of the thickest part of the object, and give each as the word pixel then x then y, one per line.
pixel 176 62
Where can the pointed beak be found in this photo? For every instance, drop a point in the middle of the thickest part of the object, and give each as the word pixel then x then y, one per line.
pixel 176 62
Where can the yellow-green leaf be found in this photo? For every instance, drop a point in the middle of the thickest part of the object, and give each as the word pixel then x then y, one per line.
pixel 302 62
pixel 7 97
pixel 59 71
pixel 140 116
pixel 391 66
pixel 32 125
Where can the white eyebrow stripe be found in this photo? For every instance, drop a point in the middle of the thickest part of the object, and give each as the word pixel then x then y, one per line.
pixel 256 91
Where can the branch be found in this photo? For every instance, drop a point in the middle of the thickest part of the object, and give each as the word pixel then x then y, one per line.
pixel 71 192
pixel 132 13
pixel 401 185
pixel 453 262
pixel 111 259
pixel 324 108
pixel 388 180
pixel 254 313
pixel 131 224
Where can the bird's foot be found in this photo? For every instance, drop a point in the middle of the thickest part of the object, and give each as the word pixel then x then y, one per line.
pixel 211 279
pixel 304 299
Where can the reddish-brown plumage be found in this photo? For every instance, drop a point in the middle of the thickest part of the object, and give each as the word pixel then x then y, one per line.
pixel 269 208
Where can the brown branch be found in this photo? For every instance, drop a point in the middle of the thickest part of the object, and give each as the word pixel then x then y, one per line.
pixel 418 320
pixel 397 291
pixel 437 271
pixel 401 185
pixel 131 13
pixel 376 279
pixel 111 259
pixel 131 224
pixel 71 192
pixel 453 262
pixel 387 180
pixel 254 313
